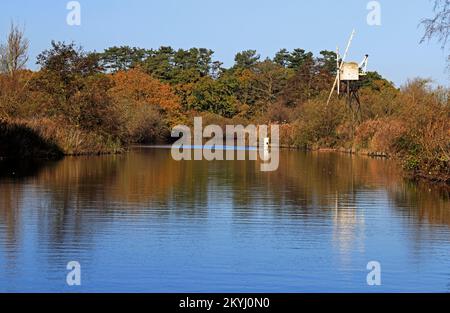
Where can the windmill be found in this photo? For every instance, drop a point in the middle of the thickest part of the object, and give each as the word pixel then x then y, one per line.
pixel 349 74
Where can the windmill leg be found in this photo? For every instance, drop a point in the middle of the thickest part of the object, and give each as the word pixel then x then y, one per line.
pixel 359 105
pixel 355 95
pixel 349 96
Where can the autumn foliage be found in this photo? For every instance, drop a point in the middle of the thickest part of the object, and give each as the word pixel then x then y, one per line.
pixel 86 102
pixel 141 89
pixel 146 106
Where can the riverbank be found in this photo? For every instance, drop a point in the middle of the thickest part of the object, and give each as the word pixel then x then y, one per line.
pixel 419 174
pixel 47 139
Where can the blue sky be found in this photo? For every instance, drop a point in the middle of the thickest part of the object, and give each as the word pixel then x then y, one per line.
pixel 229 26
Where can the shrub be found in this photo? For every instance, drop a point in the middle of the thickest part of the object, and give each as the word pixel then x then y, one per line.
pixel 318 124
pixel 381 135
pixel 145 106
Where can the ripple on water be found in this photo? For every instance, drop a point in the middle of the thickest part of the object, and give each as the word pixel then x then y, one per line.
pixel 143 222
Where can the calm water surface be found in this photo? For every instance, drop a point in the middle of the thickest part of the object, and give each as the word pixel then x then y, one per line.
pixel 143 222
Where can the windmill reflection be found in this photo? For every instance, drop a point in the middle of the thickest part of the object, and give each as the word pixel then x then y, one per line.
pixel 349 227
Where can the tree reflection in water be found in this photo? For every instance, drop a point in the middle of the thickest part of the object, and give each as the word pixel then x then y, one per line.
pixel 67 203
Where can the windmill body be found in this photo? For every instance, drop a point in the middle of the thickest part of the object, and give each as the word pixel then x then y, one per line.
pixel 348 79
pixel 348 76
pixel 350 72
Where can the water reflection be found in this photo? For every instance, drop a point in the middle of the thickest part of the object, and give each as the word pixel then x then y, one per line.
pixel 80 206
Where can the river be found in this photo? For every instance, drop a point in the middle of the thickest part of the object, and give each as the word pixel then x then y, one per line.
pixel 143 222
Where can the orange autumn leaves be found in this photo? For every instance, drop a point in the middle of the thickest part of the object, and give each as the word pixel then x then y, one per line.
pixel 145 106
pixel 141 89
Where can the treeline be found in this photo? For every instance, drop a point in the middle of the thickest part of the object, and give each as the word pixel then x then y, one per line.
pixel 91 102
pixel 127 95
pixel 246 89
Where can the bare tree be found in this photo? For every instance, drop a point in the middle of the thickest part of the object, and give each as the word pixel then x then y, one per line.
pixel 439 25
pixel 14 53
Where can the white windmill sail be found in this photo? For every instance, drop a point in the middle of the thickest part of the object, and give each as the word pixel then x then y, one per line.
pixel 337 80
